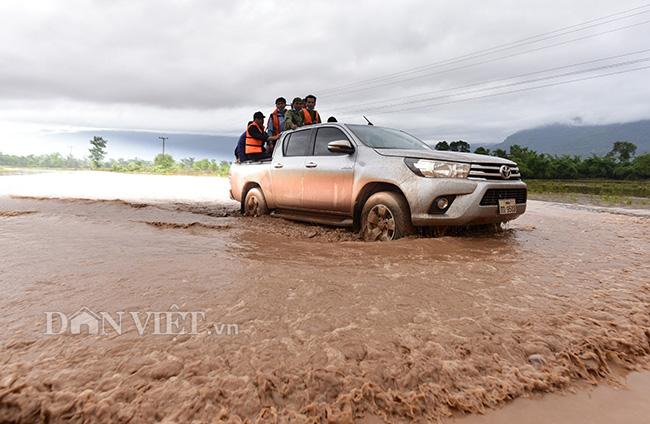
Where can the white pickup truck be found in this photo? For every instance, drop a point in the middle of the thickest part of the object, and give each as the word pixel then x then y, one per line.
pixel 381 181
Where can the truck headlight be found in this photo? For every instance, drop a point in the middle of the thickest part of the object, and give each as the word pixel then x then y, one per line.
pixel 438 168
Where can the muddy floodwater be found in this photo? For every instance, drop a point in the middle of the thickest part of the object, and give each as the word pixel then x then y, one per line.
pixel 165 307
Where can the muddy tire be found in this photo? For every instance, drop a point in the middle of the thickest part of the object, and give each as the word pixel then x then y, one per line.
pixel 255 203
pixel 385 216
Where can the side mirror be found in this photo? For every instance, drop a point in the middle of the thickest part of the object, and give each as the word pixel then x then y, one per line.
pixel 340 146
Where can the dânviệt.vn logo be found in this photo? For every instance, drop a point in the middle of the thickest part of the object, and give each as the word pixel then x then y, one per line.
pixel 157 323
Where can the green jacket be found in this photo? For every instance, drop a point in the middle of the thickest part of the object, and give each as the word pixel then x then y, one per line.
pixel 292 118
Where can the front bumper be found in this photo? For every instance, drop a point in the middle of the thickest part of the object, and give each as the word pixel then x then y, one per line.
pixel 466 208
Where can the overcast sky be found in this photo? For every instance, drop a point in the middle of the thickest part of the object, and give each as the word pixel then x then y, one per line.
pixel 442 70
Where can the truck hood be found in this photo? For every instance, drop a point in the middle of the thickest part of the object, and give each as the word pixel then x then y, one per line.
pixel 445 155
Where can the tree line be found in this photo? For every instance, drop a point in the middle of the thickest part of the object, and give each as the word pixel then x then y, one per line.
pixel 619 164
pixel 160 164
pixel 95 160
pixel 53 160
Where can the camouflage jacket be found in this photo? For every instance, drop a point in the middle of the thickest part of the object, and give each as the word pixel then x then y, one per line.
pixel 292 118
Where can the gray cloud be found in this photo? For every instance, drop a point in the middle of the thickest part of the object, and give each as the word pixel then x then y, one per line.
pixel 205 66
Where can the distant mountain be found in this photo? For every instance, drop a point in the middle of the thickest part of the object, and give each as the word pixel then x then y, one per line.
pixel 579 140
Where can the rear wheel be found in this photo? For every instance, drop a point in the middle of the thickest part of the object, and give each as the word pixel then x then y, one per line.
pixel 385 216
pixel 255 203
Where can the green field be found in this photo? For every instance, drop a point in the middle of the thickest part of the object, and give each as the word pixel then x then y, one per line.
pixel 598 192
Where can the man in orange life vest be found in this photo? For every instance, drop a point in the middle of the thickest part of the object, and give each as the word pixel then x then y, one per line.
pixel 256 137
pixel 276 121
pixel 309 114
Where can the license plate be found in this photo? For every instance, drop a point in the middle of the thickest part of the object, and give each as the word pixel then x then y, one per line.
pixel 507 206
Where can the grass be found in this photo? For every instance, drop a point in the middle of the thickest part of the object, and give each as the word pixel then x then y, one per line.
pixel 597 187
pixel 8 171
pixel 609 192
pixel 174 171
pixel 153 171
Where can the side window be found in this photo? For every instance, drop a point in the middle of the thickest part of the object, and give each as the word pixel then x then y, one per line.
pixel 323 137
pixel 297 143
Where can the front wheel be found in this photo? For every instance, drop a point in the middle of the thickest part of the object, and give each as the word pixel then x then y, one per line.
pixel 385 216
pixel 255 203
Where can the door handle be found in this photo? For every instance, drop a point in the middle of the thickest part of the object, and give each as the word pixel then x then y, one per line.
pixel 310 165
pixel 278 165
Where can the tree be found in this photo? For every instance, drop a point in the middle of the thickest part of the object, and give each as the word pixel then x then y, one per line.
pixel 624 150
pixel 224 168
pixel 642 165
pixel 597 166
pixel 565 167
pixel 443 145
pixel 501 153
pixel 531 165
pixel 482 151
pixel 164 162
pixel 203 164
pixel 97 152
pixel 625 171
pixel 187 163
pixel 459 146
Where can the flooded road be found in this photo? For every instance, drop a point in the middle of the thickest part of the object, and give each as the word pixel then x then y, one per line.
pixel 289 322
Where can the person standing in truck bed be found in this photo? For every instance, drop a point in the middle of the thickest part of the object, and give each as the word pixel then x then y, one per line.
pixel 256 138
pixel 276 120
pixel 292 118
pixel 309 114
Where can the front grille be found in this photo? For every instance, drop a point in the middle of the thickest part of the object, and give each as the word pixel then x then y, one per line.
pixel 492 196
pixel 492 171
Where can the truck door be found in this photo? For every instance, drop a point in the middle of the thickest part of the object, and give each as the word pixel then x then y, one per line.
pixel 287 169
pixel 328 177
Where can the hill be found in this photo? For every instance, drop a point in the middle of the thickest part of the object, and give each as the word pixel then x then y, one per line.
pixel 579 140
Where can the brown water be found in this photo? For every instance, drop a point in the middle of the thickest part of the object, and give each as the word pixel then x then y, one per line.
pixel 315 325
pixel 603 404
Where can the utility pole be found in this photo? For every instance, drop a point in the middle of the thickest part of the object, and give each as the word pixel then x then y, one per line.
pixel 163 139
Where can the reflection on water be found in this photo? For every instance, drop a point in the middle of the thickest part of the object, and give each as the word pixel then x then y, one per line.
pixel 329 327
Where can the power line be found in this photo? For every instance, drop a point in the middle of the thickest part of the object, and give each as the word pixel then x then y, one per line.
pixel 632 62
pixel 510 92
pixel 492 50
pixel 391 102
pixel 367 84
pixel 492 60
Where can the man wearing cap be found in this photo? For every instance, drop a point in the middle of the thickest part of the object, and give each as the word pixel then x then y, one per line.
pixel 256 137
pixel 276 120
pixel 309 114
pixel 292 118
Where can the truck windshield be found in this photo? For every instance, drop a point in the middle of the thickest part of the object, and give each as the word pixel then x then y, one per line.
pixel 385 138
